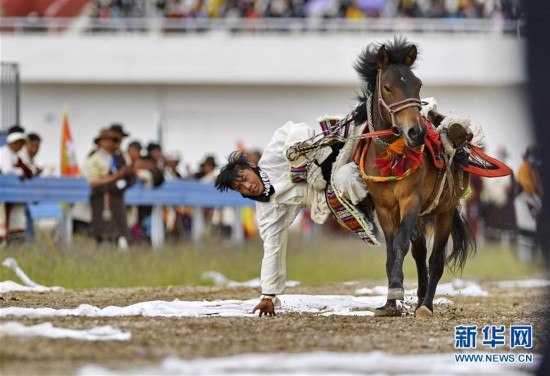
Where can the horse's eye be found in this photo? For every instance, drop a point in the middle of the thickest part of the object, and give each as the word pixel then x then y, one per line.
pixel 387 89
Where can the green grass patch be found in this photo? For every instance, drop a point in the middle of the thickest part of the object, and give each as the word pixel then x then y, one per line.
pixel 325 260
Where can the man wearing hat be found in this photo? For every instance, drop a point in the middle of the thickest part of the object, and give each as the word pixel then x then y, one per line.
pixel 108 181
pixel 12 216
pixel 121 158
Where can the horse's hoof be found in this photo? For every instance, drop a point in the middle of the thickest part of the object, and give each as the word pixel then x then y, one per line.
pixel 388 312
pixel 424 313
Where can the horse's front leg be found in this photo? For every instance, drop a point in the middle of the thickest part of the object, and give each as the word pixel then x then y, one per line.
pixel 389 228
pixel 400 248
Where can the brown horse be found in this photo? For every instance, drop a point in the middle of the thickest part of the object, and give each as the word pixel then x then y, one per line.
pixel 394 93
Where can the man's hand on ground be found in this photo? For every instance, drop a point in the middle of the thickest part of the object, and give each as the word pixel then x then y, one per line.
pixel 266 308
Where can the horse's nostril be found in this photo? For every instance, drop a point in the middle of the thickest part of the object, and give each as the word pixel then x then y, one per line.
pixel 417 134
pixel 413 134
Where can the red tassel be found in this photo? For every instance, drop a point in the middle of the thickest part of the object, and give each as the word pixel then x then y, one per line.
pixel 414 156
pixel 432 134
pixel 395 165
pixel 384 165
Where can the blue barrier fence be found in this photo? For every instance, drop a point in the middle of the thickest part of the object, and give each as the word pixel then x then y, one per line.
pixel 181 192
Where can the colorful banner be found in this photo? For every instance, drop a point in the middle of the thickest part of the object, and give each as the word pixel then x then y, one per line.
pixel 69 164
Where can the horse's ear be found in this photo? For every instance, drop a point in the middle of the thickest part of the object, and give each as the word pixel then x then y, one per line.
pixel 383 57
pixel 411 56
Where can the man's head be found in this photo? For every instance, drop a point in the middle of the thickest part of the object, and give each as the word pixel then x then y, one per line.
pixel 154 151
pixel 172 159
pixel 209 164
pixel 239 175
pixel 33 144
pixel 16 138
pixel 134 150
pixel 107 140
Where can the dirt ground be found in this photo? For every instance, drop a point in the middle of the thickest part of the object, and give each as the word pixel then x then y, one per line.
pixel 155 338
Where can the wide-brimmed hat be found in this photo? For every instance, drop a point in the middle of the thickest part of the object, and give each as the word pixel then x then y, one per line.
pixel 16 136
pixel 119 128
pixel 106 133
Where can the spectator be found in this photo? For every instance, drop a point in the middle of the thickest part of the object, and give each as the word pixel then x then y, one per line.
pixel 473 203
pixel 207 170
pixel 121 159
pixel 154 153
pixel 120 133
pixel 500 218
pixel 29 152
pixel 220 219
pixel 147 169
pixel 528 203
pixel 108 183
pixel 13 221
pixel 172 161
pixel 134 152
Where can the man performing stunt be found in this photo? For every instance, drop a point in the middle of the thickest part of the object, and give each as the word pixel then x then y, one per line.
pixel 280 196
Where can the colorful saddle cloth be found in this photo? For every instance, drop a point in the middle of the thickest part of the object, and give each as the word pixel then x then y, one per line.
pixel 346 214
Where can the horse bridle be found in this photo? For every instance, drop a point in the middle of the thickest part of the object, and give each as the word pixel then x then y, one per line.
pixel 394 107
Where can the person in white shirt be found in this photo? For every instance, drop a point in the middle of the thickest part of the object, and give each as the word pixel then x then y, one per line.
pixel 278 201
pixel 13 221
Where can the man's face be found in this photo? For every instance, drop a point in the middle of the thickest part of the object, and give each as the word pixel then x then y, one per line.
pixel 248 183
pixel 156 154
pixel 33 147
pixel 134 153
pixel 17 145
pixel 108 144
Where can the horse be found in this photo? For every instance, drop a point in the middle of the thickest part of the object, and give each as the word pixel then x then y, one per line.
pixel 390 100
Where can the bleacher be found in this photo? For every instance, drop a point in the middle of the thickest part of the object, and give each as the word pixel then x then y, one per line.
pixel 45 196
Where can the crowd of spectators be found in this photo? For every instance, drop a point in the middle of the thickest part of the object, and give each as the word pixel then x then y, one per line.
pixel 350 9
pixel 114 165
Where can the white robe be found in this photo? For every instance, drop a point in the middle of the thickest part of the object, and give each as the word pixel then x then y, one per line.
pixel 275 216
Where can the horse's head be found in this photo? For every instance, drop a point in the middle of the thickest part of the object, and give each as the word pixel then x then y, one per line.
pixel 398 95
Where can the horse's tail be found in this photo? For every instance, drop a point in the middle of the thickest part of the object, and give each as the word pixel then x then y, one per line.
pixel 464 242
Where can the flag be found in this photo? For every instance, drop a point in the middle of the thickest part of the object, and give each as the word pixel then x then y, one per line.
pixel 69 165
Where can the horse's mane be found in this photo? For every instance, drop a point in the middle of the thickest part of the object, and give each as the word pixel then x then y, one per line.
pixel 367 68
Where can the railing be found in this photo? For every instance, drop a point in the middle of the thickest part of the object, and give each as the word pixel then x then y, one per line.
pixel 183 192
pixel 85 25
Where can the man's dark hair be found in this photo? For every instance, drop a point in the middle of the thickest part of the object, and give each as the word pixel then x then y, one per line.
pixel 135 144
pixel 236 162
pixel 153 146
pixel 16 128
pixel 33 137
